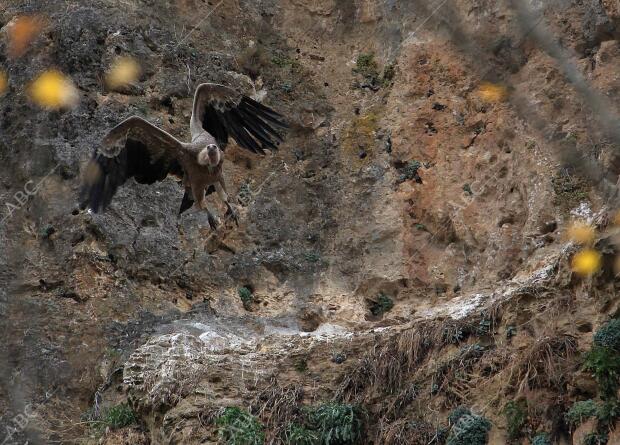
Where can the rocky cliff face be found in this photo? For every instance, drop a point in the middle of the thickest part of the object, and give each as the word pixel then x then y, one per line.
pixel 404 250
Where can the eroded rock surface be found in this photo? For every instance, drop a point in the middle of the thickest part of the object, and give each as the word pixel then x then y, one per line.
pixel 397 182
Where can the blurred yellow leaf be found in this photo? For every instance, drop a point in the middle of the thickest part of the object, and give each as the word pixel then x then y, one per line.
pixel 124 71
pixel 586 262
pixel 21 32
pixel 617 218
pixel 581 233
pixel 4 82
pixel 491 92
pixel 53 90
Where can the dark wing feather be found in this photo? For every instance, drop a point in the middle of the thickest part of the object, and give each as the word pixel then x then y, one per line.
pixel 223 112
pixel 133 149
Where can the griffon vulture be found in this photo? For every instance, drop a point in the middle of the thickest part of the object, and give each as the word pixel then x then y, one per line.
pixel 138 149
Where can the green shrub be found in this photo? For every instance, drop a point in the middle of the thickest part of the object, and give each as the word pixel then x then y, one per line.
pixel 296 434
pixel 604 363
pixel 410 171
pixel 244 196
pixel 484 327
pixel 238 427
pixel 281 60
pixel 457 413
pixel 511 331
pixel 570 189
pixel 516 416
pixel 541 439
pixel 608 412
pixel 337 424
pixel 367 67
pixel 312 257
pixel 246 297
pixel 470 429
pixel 118 416
pixel 608 335
pixel 595 439
pixel 301 365
pixel 580 412
pixel 381 305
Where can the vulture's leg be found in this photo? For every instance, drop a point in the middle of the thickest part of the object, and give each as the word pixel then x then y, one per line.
pixel 220 187
pixel 187 202
pixel 201 201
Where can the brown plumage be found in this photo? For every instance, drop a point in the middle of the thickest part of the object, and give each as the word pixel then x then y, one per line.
pixel 138 149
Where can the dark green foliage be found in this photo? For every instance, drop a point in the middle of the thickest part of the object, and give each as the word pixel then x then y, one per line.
pixel 296 434
pixel 281 60
pixel 454 333
pixel 339 357
pixel 580 412
pixel 246 297
pixel 608 335
pixel 511 331
pixel 337 424
pixel 244 196
pixel 118 416
pixel 238 427
pixel 570 190
pixel 410 171
pixel 441 434
pixel 287 87
pixel 367 66
pixel 467 189
pixel 595 439
pixel 457 413
pixel 301 365
pixel 516 416
pixel 470 429
pixel 312 257
pixel 115 417
pixel 381 305
pixel 604 364
pixel 608 413
pixel 541 439
pixel 484 327
pixel 420 226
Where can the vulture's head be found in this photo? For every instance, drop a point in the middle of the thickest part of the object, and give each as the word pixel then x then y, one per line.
pixel 210 155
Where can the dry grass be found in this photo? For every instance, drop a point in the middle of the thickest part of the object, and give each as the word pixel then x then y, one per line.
pixel 407 431
pixel 412 347
pixel 277 406
pixel 397 405
pixel 452 377
pixel 544 363
pixel 384 369
pixel 357 380
pixel 126 436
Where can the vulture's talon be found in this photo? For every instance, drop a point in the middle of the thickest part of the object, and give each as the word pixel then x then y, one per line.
pixel 212 221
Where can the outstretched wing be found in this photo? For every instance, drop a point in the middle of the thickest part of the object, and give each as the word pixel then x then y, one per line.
pixel 223 112
pixel 135 149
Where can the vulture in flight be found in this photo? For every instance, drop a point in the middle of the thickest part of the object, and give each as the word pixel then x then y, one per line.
pixel 138 149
